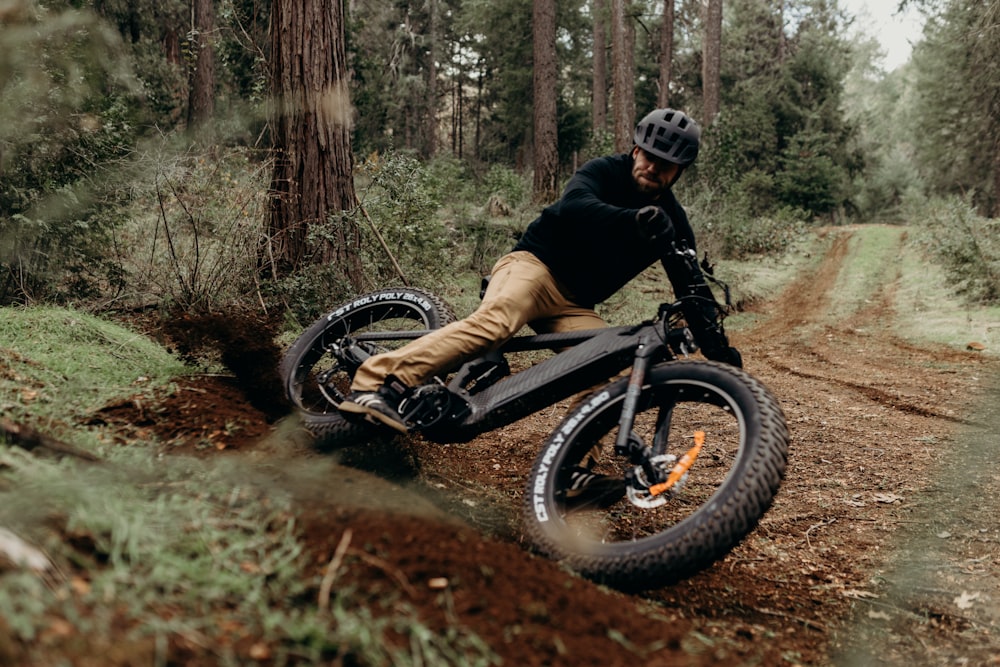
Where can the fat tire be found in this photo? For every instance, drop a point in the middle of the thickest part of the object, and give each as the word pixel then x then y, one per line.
pixel 710 531
pixel 321 417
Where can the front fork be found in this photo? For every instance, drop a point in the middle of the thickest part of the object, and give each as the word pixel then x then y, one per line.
pixel 628 445
pixel 652 464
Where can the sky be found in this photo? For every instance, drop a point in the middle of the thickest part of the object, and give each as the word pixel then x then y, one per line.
pixel 893 31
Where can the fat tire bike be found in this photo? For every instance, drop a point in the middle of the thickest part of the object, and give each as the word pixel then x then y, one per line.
pixel 695 450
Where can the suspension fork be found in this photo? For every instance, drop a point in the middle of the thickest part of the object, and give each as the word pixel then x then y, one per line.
pixel 643 354
pixel 633 448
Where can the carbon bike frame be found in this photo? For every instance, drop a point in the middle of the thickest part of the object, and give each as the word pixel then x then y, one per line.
pixel 586 358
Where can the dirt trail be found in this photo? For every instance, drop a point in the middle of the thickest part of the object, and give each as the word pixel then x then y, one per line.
pixel 878 439
pixel 881 548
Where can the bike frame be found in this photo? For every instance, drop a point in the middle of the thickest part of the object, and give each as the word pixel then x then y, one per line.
pixel 586 358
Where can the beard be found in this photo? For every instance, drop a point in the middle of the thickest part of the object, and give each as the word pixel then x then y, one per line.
pixel 648 186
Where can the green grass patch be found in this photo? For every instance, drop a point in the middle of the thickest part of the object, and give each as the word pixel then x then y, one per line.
pixel 871 266
pixel 930 309
pixel 57 364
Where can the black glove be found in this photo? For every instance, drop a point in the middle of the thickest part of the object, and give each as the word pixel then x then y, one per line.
pixel 653 224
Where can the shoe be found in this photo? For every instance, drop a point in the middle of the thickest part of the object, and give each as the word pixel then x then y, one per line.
pixel 593 488
pixel 375 407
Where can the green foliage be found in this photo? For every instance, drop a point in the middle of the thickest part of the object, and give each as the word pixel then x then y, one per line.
pixel 966 244
pixel 400 199
pixel 809 178
pixel 955 118
pixel 68 114
pixel 781 118
pixel 743 222
pixel 402 237
pixel 507 184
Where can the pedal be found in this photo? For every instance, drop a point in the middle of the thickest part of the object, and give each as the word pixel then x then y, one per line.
pixel 430 404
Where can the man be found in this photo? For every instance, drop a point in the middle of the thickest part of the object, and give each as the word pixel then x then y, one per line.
pixel 608 227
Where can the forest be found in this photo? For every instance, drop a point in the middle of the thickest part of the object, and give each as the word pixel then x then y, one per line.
pixel 201 154
pixel 185 185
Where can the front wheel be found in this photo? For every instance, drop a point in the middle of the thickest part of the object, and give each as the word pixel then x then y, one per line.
pixel 316 379
pixel 630 537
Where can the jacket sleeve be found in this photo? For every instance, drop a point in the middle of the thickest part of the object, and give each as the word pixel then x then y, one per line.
pixel 587 200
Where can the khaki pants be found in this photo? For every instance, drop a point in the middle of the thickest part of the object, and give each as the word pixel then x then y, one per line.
pixel 521 291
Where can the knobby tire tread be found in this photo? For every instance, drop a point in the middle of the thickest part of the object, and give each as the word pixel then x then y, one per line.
pixel 741 504
pixel 329 429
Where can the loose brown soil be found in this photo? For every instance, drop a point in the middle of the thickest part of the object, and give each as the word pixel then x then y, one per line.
pixel 881 548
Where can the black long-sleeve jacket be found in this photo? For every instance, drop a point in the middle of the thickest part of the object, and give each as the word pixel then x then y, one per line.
pixel 589 238
pixel 591 242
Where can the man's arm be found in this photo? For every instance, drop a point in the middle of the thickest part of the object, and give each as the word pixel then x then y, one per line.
pixel 702 312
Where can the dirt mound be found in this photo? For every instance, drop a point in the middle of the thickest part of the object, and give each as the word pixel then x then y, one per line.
pixel 243 343
pixel 199 414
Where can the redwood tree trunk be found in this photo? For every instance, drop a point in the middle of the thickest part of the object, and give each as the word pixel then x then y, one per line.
pixel 312 179
pixel 712 60
pixel 545 90
pixel 666 55
pixel 201 90
pixel 623 64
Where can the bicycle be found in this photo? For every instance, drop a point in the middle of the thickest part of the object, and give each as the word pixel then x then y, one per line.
pixel 696 449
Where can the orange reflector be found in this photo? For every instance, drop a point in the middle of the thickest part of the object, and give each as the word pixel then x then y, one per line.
pixel 681 466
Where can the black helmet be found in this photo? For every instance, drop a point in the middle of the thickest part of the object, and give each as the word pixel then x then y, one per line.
pixel 669 134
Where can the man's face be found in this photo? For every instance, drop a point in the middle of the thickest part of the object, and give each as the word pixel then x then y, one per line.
pixel 652 174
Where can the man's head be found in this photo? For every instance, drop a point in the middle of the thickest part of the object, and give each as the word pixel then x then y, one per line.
pixel 666 141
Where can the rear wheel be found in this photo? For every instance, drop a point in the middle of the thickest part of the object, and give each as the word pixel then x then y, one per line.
pixel 647 538
pixel 316 381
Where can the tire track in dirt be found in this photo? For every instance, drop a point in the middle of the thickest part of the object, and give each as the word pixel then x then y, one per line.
pixel 801 328
pixel 805 300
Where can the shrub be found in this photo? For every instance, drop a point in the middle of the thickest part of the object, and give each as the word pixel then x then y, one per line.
pixel 966 244
pixel 194 227
pixel 67 118
pixel 744 222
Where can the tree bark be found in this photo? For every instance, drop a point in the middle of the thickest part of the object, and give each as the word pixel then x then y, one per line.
pixel 711 60
pixel 545 91
pixel 312 178
pixel 600 77
pixel 666 55
pixel 430 145
pixel 201 86
pixel 623 79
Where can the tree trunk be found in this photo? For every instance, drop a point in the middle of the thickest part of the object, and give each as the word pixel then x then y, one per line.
pixel 623 79
pixel 666 55
pixel 430 146
pixel 313 168
pixel 201 87
pixel 545 90
pixel 600 77
pixel 711 60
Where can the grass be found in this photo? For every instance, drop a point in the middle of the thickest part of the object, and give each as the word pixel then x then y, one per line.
pixel 928 310
pixel 168 549
pixel 868 269
pixel 59 363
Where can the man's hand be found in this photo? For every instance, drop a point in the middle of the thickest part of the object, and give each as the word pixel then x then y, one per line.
pixel 653 224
